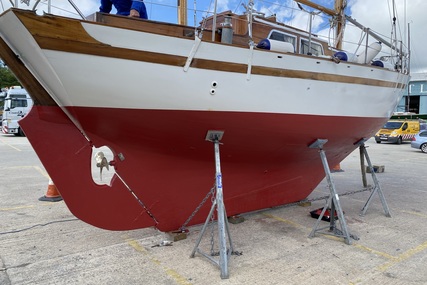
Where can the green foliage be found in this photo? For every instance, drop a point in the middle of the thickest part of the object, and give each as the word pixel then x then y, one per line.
pixel 7 78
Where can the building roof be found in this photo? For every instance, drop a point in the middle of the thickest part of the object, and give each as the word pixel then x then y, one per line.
pixel 418 77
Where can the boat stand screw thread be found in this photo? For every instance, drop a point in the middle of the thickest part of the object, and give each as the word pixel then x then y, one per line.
pixel 213 200
pixel 212 227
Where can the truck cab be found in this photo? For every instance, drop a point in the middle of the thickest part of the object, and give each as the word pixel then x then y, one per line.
pixel 2 97
pixel 397 131
pixel 17 103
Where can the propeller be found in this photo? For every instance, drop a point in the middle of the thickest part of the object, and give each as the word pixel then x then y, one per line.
pixel 101 162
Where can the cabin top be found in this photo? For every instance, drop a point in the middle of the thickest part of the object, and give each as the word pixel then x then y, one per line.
pixel 295 40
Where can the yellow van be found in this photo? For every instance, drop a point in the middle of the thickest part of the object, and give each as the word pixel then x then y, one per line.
pixel 397 131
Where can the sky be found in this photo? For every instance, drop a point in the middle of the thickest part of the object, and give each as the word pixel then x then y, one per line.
pixel 374 14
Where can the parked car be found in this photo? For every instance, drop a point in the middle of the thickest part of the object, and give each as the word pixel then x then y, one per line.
pixel 419 141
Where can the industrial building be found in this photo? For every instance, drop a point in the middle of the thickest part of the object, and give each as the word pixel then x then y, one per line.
pixel 415 96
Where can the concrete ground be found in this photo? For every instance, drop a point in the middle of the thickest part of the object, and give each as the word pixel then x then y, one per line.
pixel 43 243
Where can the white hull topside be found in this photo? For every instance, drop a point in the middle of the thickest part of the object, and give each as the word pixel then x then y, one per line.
pixel 131 84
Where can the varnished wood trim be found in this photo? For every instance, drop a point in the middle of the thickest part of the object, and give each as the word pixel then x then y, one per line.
pixel 54 27
pixel 68 35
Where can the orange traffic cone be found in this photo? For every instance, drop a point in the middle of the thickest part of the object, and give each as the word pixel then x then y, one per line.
pixel 337 168
pixel 52 194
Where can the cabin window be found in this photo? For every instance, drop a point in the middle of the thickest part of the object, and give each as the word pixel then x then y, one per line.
pixel 18 103
pixel 279 36
pixel 316 48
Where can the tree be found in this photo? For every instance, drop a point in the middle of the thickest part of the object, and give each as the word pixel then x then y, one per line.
pixel 6 77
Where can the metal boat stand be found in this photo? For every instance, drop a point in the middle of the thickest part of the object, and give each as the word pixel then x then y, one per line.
pixel 333 203
pixel 377 187
pixel 218 203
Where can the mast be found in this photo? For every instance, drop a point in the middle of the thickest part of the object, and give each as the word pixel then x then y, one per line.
pixel 182 12
pixel 340 22
pixel 337 13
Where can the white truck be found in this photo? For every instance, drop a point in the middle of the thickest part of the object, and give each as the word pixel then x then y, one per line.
pixel 17 104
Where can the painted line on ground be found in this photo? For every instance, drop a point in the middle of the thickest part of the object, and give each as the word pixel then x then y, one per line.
pixel 17 208
pixel 9 145
pixel 359 246
pixel 282 220
pixel 30 206
pixel 403 256
pixel 376 252
pixel 414 213
pixel 41 171
pixel 170 272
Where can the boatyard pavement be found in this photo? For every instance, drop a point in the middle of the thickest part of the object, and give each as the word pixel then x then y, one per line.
pixel 43 243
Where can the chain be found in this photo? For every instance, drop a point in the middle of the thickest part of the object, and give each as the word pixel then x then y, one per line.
pixel 184 225
pixel 338 232
pixel 237 253
pixel 369 188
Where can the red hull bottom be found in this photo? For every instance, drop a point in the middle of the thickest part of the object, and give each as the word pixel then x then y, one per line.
pixel 169 166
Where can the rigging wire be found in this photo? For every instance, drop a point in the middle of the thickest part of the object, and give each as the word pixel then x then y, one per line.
pixel 238 6
pixel 195 14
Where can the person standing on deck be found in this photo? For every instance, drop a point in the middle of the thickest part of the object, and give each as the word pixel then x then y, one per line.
pixel 131 8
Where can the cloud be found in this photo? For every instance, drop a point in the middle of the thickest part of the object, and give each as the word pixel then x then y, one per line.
pixel 376 15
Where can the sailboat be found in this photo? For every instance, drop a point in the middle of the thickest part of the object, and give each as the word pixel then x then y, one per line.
pixel 151 93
